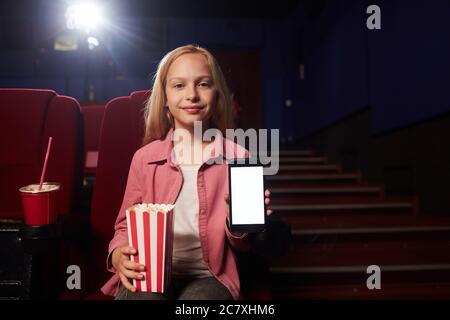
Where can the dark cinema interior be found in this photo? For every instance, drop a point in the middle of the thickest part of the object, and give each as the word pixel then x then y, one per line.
pixel 357 89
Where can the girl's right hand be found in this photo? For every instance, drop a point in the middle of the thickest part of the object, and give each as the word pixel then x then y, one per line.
pixel 126 268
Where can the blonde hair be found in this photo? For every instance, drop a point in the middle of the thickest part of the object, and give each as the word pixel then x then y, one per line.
pixel 158 120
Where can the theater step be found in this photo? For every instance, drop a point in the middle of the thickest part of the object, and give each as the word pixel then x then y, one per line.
pixel 358 274
pixel 367 246
pixel 397 282
pixel 290 200
pixel 340 226
pixel 301 180
pixel 366 189
pixel 293 153
pixel 332 263
pixel 289 169
pixel 295 159
pixel 324 194
pixel 386 206
pixel 316 221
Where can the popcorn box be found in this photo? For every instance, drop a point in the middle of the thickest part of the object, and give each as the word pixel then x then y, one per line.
pixel 150 232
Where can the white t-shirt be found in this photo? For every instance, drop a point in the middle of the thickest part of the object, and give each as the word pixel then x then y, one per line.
pixel 187 258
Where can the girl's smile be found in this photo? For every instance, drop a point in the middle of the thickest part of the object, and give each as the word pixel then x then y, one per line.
pixel 192 109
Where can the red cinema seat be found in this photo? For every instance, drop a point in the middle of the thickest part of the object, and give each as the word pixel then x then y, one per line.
pixel 29 118
pixel 121 135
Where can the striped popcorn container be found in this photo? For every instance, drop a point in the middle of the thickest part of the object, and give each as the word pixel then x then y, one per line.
pixel 150 232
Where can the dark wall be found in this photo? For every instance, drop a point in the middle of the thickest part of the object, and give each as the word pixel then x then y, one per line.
pixel 401 71
pixel 409 63
pixel 335 59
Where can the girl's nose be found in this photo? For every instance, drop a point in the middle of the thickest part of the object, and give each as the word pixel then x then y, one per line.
pixel 192 94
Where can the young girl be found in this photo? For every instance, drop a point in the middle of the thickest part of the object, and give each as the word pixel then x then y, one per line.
pixel 188 87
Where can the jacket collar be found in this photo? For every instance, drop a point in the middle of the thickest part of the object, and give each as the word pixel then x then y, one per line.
pixel 221 147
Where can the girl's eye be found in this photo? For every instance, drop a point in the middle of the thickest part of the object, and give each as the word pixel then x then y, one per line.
pixel 178 86
pixel 204 84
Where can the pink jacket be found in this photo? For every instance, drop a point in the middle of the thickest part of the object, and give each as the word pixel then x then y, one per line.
pixel 154 178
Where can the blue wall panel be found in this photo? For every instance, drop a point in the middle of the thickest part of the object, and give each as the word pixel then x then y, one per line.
pixel 409 63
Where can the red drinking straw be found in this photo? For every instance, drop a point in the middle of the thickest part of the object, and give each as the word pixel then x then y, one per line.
pixel 45 162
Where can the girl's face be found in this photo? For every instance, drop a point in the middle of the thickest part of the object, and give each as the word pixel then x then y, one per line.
pixel 190 91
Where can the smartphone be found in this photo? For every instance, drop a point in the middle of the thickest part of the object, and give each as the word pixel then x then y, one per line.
pixel 246 190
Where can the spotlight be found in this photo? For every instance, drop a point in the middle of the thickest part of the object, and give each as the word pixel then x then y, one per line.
pixel 92 42
pixel 84 16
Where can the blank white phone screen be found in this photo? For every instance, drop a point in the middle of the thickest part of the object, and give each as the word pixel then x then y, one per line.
pixel 247 195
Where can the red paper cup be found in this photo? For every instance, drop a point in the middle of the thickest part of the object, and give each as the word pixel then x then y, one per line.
pixel 39 206
pixel 150 232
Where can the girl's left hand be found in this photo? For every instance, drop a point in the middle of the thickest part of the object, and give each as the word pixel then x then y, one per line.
pixel 266 201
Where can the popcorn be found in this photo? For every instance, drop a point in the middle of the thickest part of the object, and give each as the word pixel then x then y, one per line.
pixel 150 232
